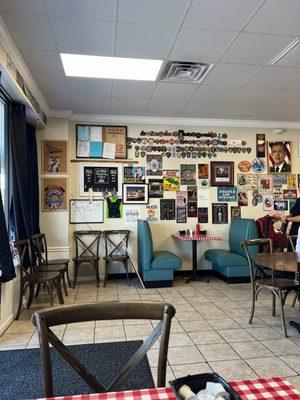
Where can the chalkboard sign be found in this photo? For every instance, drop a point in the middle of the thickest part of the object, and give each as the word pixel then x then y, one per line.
pixel 100 179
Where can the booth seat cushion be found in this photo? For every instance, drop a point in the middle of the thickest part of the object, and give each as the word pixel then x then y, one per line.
pixel 165 260
pixel 232 271
pixel 222 258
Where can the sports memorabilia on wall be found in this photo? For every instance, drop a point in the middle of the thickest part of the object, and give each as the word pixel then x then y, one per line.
pixel 171 180
pixel 167 209
pixel 222 173
pixel 86 212
pixel 54 194
pixel 279 157
pixel 260 145
pixel 156 188
pixel 91 140
pixel 134 174
pixel 54 156
pixel 154 164
pixel 100 179
pixel 135 193
pixel 188 174
pixel 220 213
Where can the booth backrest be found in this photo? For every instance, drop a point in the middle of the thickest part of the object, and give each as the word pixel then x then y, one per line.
pixel 242 229
pixel 145 245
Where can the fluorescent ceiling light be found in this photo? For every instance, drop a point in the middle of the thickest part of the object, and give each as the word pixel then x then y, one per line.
pixel 283 52
pixel 110 67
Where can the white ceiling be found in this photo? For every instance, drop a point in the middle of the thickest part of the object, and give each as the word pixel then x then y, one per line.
pixel 238 36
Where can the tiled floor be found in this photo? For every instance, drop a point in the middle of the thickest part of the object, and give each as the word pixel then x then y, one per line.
pixel 209 332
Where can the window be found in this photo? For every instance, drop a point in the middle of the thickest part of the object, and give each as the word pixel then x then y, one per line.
pixel 4 154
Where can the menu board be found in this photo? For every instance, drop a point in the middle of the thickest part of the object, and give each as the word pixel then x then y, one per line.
pixel 100 179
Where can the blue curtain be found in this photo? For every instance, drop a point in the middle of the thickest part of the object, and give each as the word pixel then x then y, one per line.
pixel 24 185
pixel 7 271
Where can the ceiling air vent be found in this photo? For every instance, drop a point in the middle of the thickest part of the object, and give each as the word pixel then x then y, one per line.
pixel 186 72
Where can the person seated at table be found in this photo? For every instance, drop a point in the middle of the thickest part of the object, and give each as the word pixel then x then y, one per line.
pixel 293 217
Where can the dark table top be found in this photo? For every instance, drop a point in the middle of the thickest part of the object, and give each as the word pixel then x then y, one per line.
pixel 280 261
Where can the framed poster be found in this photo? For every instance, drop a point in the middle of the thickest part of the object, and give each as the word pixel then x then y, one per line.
pixel 203 215
pixel 235 212
pixel 100 179
pixel 135 193
pixel 171 180
pixel 167 209
pixel 188 174
pixel 100 141
pixel 54 194
pixel 202 171
pixel 221 173
pixel 260 145
pixel 154 164
pixel 134 174
pixel 281 205
pixel 151 212
pixel 227 193
pixel 181 214
pixel 54 157
pixel 83 211
pixel 220 213
pixel 279 157
pixel 156 188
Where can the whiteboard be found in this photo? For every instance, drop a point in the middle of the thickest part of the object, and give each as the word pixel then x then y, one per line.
pixel 86 212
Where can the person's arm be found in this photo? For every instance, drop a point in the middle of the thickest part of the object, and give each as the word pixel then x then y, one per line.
pixel 289 218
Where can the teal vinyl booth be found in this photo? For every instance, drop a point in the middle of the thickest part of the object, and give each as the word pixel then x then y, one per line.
pixel 232 265
pixel 156 267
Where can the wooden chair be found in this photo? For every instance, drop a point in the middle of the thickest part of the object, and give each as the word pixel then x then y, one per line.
pixel 44 320
pixel 39 244
pixel 116 243
pixel 29 276
pixel 87 251
pixel 262 278
pixel 292 242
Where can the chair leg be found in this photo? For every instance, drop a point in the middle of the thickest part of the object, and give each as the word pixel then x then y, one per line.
pixel 105 273
pixel 58 289
pixel 76 267
pixel 37 292
pixel 67 273
pixel 20 299
pixel 64 283
pixel 96 267
pixel 274 304
pixel 282 313
pixel 295 299
pixel 252 306
pixel 50 292
pixel 31 294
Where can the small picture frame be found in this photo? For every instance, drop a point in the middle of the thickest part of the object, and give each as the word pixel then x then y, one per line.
pixel 135 193
pixel 54 157
pixel 222 173
pixel 279 157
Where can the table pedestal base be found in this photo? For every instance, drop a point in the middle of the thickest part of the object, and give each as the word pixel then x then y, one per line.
pixel 295 325
pixel 194 276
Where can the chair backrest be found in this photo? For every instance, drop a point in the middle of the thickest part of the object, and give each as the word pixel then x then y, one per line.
pixel 292 240
pixel 39 244
pixel 25 256
pixel 242 229
pixel 145 245
pixel 256 271
pixel 44 320
pixel 87 243
pixel 116 242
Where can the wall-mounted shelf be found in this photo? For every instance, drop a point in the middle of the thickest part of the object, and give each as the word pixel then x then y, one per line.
pixel 103 160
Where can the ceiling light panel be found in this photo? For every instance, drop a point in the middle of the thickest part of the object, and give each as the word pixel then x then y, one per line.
pixel 110 67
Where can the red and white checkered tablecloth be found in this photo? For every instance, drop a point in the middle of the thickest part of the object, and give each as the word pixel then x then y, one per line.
pixel 254 389
pixel 196 237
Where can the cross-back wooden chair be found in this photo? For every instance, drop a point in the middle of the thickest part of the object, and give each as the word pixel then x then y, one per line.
pixel 265 279
pixel 87 251
pixel 44 320
pixel 116 244
pixel 30 276
pixel 39 244
pixel 292 242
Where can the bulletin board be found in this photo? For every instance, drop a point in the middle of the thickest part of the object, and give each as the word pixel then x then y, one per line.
pixel 100 179
pixel 92 139
pixel 86 211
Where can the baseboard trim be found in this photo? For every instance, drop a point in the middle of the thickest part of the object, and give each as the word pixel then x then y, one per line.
pixel 157 284
pixel 200 272
pixel 233 279
pixel 5 324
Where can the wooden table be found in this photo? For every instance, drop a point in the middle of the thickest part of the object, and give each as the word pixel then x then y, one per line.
pixel 254 389
pixel 282 261
pixel 194 239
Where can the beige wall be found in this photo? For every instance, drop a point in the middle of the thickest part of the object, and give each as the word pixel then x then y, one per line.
pixel 59 233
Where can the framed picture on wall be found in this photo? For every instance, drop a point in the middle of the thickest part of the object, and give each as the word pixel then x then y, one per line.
pixel 54 194
pixel 279 157
pixel 134 193
pixel 221 173
pixel 54 157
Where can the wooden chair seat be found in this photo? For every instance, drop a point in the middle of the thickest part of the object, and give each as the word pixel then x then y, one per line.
pixel 43 276
pixel 59 261
pixel 279 283
pixel 86 259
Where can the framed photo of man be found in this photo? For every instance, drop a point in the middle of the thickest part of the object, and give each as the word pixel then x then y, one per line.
pixel 279 157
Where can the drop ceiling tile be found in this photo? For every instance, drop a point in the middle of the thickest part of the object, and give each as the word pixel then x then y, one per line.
pixel 201 45
pixel 91 109
pixel 52 84
pixel 128 106
pixel 93 87
pixel 36 7
pixel 59 101
pixel 122 88
pixel 274 77
pixel 143 41
pixel 199 108
pixel 174 91
pixel 277 16
pixel 221 14
pixel 43 62
pixel 94 9
pixel 252 95
pixel 292 58
pixel 230 74
pixel 30 31
pixel 238 109
pixel 254 48
pixel 165 106
pixel 294 84
pixel 167 12
pixel 285 97
pixel 83 36
pixel 213 92
pixel 88 101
